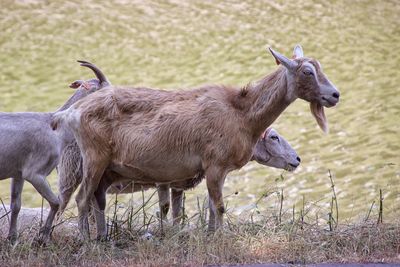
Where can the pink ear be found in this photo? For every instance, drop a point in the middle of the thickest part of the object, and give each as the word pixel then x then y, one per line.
pixel 265 133
pixel 75 84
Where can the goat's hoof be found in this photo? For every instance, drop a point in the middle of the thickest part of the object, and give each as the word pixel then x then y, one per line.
pixel 221 210
pixel 40 241
pixel 84 239
pixel 210 231
pixel 12 238
pixel 101 239
pixel 42 237
pixel 147 236
pixel 44 231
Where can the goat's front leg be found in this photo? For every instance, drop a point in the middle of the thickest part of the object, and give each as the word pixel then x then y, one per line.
pixel 176 196
pixel 215 178
pixel 163 200
pixel 211 219
pixel 42 186
pixel 93 170
pixel 17 185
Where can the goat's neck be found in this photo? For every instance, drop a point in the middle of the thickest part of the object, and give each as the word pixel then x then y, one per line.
pixel 79 94
pixel 271 96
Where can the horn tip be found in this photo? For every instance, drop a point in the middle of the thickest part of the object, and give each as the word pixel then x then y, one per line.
pixel 83 62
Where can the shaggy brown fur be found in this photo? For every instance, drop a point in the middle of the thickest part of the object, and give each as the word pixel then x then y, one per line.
pixel 157 136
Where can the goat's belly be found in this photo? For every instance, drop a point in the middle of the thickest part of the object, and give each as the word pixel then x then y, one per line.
pixel 165 171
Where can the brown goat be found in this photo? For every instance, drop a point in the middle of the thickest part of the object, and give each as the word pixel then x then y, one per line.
pixel 156 136
pixel 271 150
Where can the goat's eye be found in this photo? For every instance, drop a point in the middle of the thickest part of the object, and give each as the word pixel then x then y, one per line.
pixel 308 72
pixel 274 137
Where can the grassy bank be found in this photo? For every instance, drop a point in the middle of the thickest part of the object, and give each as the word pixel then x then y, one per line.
pixel 138 238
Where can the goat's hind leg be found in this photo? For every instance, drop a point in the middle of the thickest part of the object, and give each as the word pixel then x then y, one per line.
pixel 41 185
pixel 17 185
pixel 92 173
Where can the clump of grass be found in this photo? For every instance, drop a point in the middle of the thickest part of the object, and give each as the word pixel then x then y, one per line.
pixel 242 243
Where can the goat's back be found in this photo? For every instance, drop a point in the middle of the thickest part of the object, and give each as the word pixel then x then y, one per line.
pixel 28 144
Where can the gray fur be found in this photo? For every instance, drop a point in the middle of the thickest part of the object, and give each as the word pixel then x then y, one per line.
pixel 30 150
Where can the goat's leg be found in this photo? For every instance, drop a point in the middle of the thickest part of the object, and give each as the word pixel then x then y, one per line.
pixel 176 196
pixel 17 185
pixel 215 178
pixel 100 196
pixel 211 219
pixel 67 185
pixel 92 172
pixel 64 198
pixel 163 200
pixel 41 185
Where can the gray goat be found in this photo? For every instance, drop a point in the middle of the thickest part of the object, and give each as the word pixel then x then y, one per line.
pixel 30 150
pixel 271 150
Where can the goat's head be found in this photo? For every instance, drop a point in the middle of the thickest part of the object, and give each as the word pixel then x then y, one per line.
pixel 89 85
pixel 92 84
pixel 274 151
pixel 307 81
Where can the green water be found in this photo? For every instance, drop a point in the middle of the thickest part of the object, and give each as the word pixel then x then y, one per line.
pixel 177 44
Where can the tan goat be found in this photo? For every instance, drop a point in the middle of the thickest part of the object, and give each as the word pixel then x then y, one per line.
pixel 157 136
pixel 271 150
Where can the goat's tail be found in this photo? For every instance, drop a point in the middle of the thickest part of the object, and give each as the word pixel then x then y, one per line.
pixel 57 119
pixel 70 174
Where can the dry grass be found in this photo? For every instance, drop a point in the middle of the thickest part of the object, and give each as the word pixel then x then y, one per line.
pixel 283 237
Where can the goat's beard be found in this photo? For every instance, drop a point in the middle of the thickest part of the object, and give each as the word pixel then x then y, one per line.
pixel 318 112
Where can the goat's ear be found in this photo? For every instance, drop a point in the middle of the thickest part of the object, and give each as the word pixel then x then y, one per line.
pixel 76 84
pixel 281 59
pixel 265 133
pixel 298 51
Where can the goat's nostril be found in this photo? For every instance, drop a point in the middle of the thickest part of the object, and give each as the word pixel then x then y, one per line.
pixel 298 159
pixel 336 95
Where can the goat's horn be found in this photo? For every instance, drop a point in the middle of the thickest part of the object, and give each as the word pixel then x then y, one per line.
pixel 99 74
pixel 289 64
